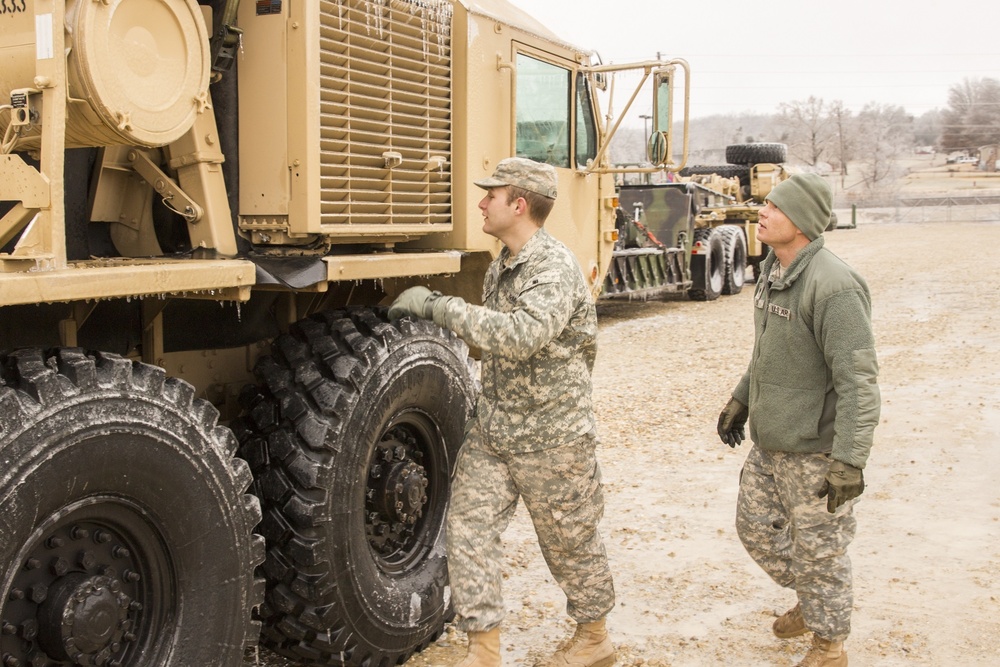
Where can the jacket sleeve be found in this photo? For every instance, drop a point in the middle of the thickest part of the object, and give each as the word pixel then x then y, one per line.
pixel 542 310
pixel 742 391
pixel 843 331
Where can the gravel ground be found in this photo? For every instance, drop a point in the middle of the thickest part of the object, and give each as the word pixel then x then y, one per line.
pixel 927 555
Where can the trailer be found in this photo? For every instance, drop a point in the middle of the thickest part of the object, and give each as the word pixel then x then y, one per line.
pixel 696 231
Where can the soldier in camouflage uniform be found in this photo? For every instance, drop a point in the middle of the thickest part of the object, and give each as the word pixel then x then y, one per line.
pixel 812 398
pixel 532 435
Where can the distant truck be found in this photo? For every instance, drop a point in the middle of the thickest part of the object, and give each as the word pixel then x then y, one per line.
pixel 698 232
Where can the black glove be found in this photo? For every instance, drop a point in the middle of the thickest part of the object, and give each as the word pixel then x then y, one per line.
pixel 843 482
pixel 731 422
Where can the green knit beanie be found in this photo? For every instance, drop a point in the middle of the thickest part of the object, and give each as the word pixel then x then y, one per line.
pixel 807 200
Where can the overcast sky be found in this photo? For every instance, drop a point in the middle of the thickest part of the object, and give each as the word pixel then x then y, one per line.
pixel 752 56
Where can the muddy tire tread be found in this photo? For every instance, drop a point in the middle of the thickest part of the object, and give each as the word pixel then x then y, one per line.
pixel 38 386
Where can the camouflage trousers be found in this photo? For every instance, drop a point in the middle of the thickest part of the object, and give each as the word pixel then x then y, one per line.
pixel 561 489
pixel 787 530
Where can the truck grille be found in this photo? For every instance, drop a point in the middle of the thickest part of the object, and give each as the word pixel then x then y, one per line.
pixel 385 95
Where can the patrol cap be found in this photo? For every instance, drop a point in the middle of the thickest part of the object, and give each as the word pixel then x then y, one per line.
pixel 525 174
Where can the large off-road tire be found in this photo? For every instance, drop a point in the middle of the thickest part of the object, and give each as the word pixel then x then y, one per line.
pixel 735 263
pixel 126 537
pixel 707 270
pixel 751 154
pixel 352 437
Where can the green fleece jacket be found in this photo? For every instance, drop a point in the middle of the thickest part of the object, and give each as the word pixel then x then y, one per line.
pixel 812 383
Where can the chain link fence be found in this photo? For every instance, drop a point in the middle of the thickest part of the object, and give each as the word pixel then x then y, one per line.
pixel 907 208
pixel 968 208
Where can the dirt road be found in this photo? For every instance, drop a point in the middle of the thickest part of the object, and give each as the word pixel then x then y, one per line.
pixel 927 555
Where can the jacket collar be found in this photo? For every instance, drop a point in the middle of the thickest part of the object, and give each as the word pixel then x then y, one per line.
pixel 537 240
pixel 797 266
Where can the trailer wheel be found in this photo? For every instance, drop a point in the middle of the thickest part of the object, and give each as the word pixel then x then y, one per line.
pixel 751 154
pixel 352 438
pixel 735 262
pixel 127 536
pixel 708 269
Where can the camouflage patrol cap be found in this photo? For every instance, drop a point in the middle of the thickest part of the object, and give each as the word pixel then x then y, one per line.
pixel 525 174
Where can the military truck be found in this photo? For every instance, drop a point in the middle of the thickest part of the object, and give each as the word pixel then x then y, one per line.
pixel 695 232
pixel 210 433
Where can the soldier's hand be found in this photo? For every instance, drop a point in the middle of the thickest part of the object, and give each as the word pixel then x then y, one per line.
pixel 417 301
pixel 732 421
pixel 842 483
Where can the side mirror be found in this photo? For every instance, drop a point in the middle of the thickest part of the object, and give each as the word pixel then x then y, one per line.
pixel 658 150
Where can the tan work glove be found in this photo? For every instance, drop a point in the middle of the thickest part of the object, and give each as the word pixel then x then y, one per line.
pixel 842 483
pixel 731 422
pixel 416 301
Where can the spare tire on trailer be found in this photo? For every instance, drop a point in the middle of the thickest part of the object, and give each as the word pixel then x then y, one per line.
pixel 127 536
pixel 756 153
pixel 352 438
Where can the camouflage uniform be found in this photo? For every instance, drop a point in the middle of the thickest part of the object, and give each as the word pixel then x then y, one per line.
pixel 813 396
pixel 532 435
pixel 787 530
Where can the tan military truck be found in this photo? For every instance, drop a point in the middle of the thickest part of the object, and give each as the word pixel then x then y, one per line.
pixel 210 434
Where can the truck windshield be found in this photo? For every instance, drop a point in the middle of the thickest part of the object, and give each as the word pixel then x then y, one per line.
pixel 543 111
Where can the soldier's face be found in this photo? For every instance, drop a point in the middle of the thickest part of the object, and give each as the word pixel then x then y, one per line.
pixel 775 228
pixel 498 212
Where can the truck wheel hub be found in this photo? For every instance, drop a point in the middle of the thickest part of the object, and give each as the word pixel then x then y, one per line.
pixel 72 598
pixel 85 619
pixel 397 492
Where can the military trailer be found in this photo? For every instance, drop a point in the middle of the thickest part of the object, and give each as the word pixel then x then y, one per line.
pixel 696 232
pixel 210 434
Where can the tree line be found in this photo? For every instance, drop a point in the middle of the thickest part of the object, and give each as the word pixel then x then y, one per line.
pixel 829 135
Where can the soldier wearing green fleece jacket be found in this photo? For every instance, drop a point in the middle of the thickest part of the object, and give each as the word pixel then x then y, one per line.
pixel 812 399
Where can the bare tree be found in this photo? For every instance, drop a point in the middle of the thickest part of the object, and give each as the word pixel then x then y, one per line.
pixel 972 118
pixel 885 130
pixel 927 128
pixel 841 121
pixel 808 128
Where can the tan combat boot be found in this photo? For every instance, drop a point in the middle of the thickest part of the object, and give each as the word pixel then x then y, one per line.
pixel 790 624
pixel 484 649
pixel 824 653
pixel 589 647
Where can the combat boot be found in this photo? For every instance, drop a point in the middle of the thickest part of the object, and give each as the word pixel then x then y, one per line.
pixel 824 653
pixel 790 624
pixel 589 647
pixel 484 649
